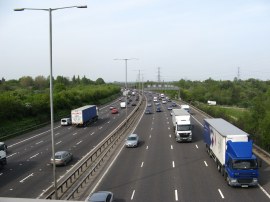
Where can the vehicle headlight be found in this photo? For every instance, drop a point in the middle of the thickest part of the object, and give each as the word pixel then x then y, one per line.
pixel 233 180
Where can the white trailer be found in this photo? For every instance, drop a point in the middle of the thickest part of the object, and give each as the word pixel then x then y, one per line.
pixel 123 104
pixel 182 125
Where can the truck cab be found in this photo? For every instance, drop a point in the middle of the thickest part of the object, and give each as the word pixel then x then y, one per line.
pixel 241 166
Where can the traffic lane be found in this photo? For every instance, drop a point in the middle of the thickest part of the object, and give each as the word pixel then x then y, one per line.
pixel 157 182
pixel 125 172
pixel 33 173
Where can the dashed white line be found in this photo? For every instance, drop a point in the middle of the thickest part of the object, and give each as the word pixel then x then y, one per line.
pixel 39 142
pixel 142 164
pixel 100 128
pixel 169 128
pixel 197 146
pixel 171 147
pixel 58 143
pixel 34 156
pixel 205 163
pixel 176 195
pixel 57 134
pixel 74 134
pixel 132 195
pixel 92 133
pixel 149 136
pixel 220 193
pixel 170 136
pixel 79 142
pixel 146 147
pixel 26 177
pixel 11 155
pixel 173 164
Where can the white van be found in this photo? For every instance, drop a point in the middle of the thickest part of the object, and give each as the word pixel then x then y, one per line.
pixel 65 121
pixel 123 104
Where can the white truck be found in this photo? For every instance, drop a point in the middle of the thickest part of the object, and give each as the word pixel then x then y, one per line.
pixel 182 125
pixel 185 107
pixel 3 153
pixel 123 104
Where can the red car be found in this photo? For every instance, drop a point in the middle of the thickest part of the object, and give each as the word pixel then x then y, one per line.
pixel 114 111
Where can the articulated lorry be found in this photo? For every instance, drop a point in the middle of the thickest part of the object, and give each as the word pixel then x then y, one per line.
pixel 231 149
pixel 3 154
pixel 182 125
pixel 84 115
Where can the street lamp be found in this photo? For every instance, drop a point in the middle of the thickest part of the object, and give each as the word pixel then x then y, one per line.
pixel 51 80
pixel 126 59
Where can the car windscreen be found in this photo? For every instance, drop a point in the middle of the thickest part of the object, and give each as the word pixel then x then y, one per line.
pixel 132 138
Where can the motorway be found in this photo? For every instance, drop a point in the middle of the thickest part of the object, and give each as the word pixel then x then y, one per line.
pixel 28 172
pixel 161 169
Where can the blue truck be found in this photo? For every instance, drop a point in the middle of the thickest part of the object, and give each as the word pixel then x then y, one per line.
pixel 231 149
pixel 84 115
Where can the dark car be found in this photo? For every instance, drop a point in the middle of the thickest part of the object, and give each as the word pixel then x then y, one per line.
pixel 148 111
pixel 170 107
pixel 101 196
pixel 174 104
pixel 158 109
pixel 133 104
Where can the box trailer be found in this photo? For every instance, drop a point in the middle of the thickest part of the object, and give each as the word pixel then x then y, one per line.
pixel 84 115
pixel 231 149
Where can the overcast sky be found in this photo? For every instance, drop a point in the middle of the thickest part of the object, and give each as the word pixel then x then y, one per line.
pixel 186 39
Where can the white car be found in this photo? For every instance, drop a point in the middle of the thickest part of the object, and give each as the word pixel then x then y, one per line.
pixel 65 121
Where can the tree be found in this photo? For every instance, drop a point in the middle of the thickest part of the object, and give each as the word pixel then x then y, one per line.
pixel 100 81
pixel 26 81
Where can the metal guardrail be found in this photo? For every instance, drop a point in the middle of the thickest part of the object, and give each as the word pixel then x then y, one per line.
pixel 90 162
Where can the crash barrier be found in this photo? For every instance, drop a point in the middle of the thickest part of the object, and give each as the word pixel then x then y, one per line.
pixel 89 164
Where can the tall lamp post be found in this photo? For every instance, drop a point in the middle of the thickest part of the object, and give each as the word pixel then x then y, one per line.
pixel 51 81
pixel 126 59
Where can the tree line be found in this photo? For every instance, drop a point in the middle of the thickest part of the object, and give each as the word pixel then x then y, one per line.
pixel 29 98
pixel 251 94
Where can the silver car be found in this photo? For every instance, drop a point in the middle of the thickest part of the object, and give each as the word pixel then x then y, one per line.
pixel 62 158
pixel 101 196
pixel 132 140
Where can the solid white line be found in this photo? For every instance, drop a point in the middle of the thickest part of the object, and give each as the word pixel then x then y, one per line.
pixel 171 147
pixel 197 146
pixel 205 163
pixel 132 196
pixel 26 177
pixel 173 164
pixel 176 195
pixel 265 192
pixel 220 193
pixel 142 165
pixel 31 137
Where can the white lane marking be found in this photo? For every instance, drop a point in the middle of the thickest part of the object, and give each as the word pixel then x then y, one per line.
pixel 85 128
pixel 1 174
pixel 39 142
pixel 132 195
pixel 142 164
pixel 170 136
pixel 197 146
pixel 168 122
pixel 169 128
pixel 58 142
pixel 108 122
pixel 146 147
pixel 100 128
pixel 176 195
pixel 74 134
pixel 26 177
pixel 32 137
pixel 11 155
pixel 205 163
pixel 220 193
pixel 57 134
pixel 171 147
pixel 69 128
pixel 263 190
pixel 34 156
pixel 79 142
pixel 173 164
pixel 92 133
pixel 149 136
pixel 151 128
